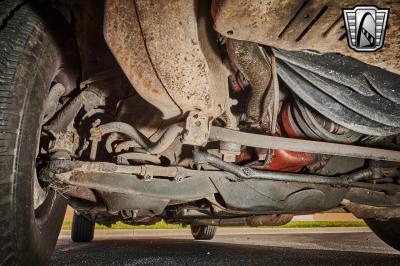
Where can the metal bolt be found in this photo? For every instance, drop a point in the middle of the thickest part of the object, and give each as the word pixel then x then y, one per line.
pixel 147 177
pixel 247 171
pixel 178 179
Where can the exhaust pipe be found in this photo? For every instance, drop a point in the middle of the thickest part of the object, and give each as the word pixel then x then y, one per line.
pixel 253 221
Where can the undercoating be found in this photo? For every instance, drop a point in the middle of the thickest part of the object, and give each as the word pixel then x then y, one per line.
pixel 314 25
pixel 122 191
pixel 168 52
pixel 174 64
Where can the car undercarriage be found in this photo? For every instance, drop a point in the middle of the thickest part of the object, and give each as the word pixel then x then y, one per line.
pixel 208 113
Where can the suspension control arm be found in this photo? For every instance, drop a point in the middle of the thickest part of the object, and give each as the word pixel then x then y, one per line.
pixel 279 143
pixel 243 173
pixel 63 170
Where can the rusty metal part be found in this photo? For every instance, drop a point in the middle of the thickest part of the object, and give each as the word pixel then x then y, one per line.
pixel 229 151
pixel 173 65
pixel 265 220
pixel 252 195
pixel 183 55
pixel 198 188
pixel 197 129
pixel 71 168
pixel 136 156
pixel 272 142
pixel 298 25
pixel 112 178
pixel 247 155
pixel 68 168
pixel 66 141
pixel 362 211
pixel 124 36
pixel 253 221
pixel 231 121
pixel 79 192
pixel 88 99
pixel 157 147
pixel 237 82
pixel 40 192
pixel 248 58
pixel 95 139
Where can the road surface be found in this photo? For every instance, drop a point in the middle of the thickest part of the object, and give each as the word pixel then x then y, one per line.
pixel 311 246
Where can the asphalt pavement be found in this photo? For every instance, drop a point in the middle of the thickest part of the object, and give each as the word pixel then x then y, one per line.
pixel 283 246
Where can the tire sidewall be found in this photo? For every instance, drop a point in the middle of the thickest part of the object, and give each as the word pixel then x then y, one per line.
pixel 40 65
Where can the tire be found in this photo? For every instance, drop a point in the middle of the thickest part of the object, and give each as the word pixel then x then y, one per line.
pixel 30 60
pixel 82 229
pixel 203 232
pixel 388 231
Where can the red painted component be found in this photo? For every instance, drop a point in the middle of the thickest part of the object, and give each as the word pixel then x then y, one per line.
pixel 246 155
pixel 286 123
pixel 287 161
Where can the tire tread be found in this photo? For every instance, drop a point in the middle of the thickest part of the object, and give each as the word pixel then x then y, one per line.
pixel 203 232
pixel 20 27
pixel 82 229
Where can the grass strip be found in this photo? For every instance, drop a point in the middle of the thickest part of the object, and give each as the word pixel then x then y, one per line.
pixel 162 225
